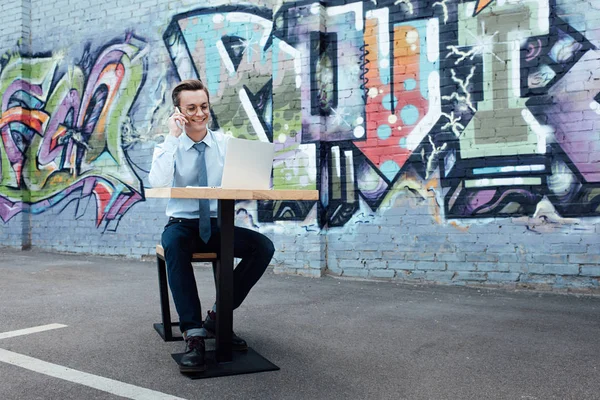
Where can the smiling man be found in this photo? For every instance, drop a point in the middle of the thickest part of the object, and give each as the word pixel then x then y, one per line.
pixel 193 155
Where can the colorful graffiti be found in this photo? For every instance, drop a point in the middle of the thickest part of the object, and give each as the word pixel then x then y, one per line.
pixel 493 105
pixel 61 131
pixel 520 146
pixel 481 4
pixel 364 92
pixel 345 127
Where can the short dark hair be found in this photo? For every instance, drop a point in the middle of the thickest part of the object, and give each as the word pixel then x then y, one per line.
pixel 191 85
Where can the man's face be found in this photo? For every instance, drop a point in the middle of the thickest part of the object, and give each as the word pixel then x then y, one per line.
pixel 194 105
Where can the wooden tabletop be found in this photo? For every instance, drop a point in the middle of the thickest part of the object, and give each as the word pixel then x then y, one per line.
pixel 231 194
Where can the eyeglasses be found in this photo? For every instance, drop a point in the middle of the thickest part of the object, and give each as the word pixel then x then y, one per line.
pixel 192 109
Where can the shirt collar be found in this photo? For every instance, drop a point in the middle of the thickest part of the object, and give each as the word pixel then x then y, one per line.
pixel 189 143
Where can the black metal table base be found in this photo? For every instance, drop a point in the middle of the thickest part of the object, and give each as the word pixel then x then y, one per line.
pixel 247 362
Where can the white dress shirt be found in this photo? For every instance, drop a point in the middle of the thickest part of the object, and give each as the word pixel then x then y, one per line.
pixel 173 165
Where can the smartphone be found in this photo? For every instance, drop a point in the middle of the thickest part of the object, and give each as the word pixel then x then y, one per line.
pixel 177 121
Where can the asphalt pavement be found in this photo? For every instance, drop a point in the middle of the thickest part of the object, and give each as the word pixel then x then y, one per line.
pixel 332 338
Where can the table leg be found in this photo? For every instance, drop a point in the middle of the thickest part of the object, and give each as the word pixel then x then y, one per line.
pixel 225 282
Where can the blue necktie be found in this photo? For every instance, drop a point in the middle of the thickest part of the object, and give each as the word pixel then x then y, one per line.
pixel 204 206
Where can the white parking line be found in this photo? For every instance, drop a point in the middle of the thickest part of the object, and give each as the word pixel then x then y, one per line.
pixel 83 378
pixel 27 331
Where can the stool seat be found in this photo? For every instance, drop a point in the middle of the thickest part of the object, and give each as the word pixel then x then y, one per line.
pixel 165 328
pixel 195 257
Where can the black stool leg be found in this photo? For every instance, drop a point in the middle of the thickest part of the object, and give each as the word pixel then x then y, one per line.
pixel 166 330
pixel 214 267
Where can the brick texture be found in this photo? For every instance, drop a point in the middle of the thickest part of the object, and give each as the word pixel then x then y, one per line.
pixel 442 153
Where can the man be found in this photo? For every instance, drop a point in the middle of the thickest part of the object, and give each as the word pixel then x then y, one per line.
pixel 193 155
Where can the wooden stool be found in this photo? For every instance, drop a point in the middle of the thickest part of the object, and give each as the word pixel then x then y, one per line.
pixel 165 329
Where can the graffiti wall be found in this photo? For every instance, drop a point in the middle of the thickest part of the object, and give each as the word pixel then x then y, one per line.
pixel 486 112
pixel 62 130
pixel 472 93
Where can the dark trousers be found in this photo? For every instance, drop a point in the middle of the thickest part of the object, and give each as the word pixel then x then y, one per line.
pixel 181 238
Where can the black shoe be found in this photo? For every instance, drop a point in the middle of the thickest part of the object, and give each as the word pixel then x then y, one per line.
pixel 237 343
pixel 193 359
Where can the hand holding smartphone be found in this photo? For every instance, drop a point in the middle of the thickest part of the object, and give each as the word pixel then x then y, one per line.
pixel 176 123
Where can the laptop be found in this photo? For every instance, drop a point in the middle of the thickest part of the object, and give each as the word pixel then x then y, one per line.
pixel 248 164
